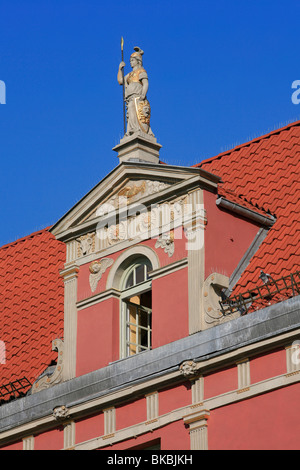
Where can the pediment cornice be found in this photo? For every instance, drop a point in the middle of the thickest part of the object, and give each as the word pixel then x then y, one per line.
pixel 131 183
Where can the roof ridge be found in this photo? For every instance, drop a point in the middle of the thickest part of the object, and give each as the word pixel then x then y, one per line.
pixel 27 237
pixel 245 144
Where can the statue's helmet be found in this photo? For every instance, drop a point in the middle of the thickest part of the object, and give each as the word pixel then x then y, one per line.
pixel 138 54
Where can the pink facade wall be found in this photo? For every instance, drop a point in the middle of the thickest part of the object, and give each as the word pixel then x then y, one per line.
pixel 220 382
pixel 97 336
pixel 173 398
pixel 98 325
pixel 132 413
pixel 227 238
pixel 266 422
pixel 14 446
pixel 50 440
pixel 268 365
pixel 170 308
pixel 173 436
pixel 88 428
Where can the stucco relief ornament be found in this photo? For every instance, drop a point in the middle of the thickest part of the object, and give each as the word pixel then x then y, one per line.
pixel 60 413
pixel 135 85
pixel 97 268
pixel 86 244
pixel 166 241
pixel 188 368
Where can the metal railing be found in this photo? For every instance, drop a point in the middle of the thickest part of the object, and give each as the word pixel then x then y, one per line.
pixel 269 292
pixel 14 389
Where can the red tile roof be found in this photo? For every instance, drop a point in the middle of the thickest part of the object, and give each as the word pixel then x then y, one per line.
pixel 265 172
pixel 31 305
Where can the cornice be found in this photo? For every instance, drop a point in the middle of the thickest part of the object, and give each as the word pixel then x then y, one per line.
pixel 211 349
pixel 181 180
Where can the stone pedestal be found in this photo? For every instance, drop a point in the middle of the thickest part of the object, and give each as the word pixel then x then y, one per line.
pixel 138 147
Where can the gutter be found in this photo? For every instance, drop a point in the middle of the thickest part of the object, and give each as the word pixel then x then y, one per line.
pixel 264 220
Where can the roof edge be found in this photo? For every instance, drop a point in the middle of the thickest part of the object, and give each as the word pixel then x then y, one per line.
pixel 257 139
pixel 27 237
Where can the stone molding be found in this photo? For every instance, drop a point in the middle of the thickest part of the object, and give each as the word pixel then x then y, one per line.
pixel 116 272
pixel 284 315
pixel 169 268
pixel 82 218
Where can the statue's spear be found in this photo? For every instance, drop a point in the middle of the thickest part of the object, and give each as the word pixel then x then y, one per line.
pixel 122 46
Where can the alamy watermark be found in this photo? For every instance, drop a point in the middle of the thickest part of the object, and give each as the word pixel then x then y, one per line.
pixel 296 95
pixel 2 92
pixel 2 353
pixel 166 222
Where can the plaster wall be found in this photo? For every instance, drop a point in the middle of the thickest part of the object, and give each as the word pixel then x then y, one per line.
pixel 266 422
pixel 170 308
pixel 97 336
pixel 174 436
pixel 227 238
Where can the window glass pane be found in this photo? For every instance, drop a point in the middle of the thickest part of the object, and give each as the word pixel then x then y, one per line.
pixel 139 274
pixel 132 329
pixel 129 282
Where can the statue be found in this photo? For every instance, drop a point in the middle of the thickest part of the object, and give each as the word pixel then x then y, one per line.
pixel 135 86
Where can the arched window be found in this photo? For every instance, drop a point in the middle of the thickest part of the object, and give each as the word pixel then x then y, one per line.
pixel 136 308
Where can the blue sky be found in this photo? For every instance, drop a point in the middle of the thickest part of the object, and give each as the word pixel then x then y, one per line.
pixel 220 73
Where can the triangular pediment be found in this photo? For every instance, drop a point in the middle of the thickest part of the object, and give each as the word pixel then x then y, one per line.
pixel 129 183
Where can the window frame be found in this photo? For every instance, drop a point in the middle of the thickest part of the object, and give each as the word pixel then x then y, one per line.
pixel 127 293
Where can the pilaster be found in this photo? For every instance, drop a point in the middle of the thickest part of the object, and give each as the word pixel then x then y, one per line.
pixel 197 422
pixel 70 275
pixel 194 231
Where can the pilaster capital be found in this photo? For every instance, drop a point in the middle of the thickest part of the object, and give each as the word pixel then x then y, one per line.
pixel 70 272
pixel 197 418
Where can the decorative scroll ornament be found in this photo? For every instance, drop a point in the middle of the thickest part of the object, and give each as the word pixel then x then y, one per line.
pixel 166 241
pixel 46 380
pixel 188 368
pixel 97 268
pixel 60 413
pixel 86 244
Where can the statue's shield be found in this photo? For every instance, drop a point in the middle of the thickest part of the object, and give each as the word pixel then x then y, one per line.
pixel 143 112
